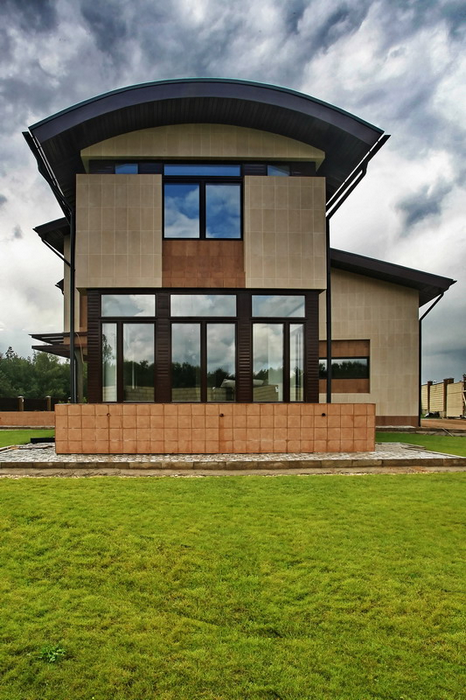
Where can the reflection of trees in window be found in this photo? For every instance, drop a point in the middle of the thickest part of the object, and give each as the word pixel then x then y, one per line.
pixel 346 368
pixel 109 362
pixel 185 375
pixel 138 362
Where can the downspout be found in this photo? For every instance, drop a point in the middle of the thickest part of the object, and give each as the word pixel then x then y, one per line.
pixel 328 312
pixel 333 204
pixel 73 374
pixel 419 408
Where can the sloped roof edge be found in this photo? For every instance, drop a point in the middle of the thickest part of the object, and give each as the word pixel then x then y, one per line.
pixel 428 284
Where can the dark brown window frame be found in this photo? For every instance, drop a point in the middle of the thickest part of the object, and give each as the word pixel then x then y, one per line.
pixel 203 182
pixel 243 322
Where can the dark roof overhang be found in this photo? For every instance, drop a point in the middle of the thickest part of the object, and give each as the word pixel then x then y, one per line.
pixel 346 139
pixel 428 285
pixel 53 234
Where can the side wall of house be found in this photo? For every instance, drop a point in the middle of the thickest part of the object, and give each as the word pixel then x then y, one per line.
pixel 386 315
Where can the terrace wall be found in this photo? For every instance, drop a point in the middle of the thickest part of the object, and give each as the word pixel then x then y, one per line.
pixel 225 428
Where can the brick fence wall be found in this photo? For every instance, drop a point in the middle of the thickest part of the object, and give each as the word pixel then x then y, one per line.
pixel 26 419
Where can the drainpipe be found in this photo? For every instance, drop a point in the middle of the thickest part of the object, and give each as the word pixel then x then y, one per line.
pixel 73 375
pixel 328 313
pixel 419 408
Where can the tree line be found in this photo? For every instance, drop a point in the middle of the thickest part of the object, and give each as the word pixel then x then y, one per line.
pixel 33 377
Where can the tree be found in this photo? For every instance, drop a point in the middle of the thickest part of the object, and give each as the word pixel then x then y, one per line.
pixel 36 377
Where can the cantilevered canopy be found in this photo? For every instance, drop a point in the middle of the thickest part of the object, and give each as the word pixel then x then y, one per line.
pixel 60 138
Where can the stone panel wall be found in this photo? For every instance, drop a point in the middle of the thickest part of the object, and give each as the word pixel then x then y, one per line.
pixel 119 231
pixel 284 232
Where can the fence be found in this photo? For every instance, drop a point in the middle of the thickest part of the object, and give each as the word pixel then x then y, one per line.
pixel 19 403
pixel 448 398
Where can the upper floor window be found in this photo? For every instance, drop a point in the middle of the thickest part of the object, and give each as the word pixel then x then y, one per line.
pixel 202 170
pixel 197 207
pixel 280 170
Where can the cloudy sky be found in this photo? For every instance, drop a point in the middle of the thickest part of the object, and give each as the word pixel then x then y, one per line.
pixel 399 64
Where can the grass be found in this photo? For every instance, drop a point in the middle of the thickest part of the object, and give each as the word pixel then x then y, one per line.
pixel 21 437
pixel 233 588
pixel 438 443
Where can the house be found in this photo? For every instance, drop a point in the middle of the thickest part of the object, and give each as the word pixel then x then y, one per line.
pixel 200 285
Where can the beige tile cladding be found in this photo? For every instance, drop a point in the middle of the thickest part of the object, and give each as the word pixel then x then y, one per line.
pixel 190 141
pixel 386 314
pixel 213 428
pixel 284 232
pixel 119 231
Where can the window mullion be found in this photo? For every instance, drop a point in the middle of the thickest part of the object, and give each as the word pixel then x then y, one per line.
pixel 119 361
pixel 202 209
pixel 286 362
pixel 203 325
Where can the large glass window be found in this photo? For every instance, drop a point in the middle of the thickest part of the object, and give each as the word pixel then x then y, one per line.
pixel 211 347
pixel 109 362
pixel 128 304
pixel 186 362
pixel 203 304
pixel 203 364
pixel 138 362
pixel 278 306
pixel 221 362
pixel 267 341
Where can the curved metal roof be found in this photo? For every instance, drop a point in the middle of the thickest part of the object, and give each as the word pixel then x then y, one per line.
pixel 346 139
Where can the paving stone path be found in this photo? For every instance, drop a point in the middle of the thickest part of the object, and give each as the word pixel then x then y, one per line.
pixel 42 460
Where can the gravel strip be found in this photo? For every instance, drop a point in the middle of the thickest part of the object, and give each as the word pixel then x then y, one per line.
pixel 396 452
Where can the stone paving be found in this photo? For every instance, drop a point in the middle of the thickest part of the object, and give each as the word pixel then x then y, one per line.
pixel 42 460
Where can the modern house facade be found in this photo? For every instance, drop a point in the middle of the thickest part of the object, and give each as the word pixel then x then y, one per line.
pixel 200 286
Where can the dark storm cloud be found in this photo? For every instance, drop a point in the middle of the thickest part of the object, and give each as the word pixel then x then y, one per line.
pixel 3 200
pixel 17 233
pixel 106 23
pixel 294 12
pixel 426 202
pixel 340 22
pixel 31 16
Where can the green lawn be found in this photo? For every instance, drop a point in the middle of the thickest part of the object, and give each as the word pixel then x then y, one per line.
pixel 438 443
pixel 21 437
pixel 233 588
